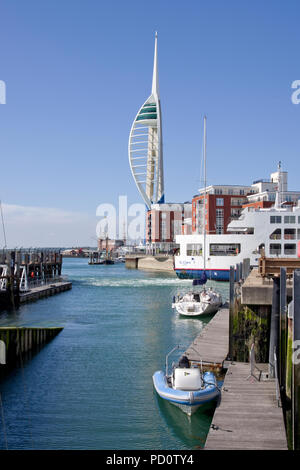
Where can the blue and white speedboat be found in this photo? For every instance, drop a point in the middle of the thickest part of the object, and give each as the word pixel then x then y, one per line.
pixel 186 387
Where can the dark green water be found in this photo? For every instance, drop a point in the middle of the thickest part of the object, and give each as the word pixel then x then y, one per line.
pixel 91 387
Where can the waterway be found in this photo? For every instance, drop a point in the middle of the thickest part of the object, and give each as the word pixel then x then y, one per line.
pixel 91 386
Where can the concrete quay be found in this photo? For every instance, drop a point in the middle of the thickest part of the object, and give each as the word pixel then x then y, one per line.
pixel 257 290
pixel 150 262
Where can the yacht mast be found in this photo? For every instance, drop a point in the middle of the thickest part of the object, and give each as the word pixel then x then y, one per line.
pixel 204 199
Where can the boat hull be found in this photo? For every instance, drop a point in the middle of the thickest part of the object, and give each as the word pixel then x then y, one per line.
pixel 198 310
pixel 188 401
pixel 212 274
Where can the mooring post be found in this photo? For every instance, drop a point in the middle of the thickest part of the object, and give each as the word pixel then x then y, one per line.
pixel 237 277
pixel 296 363
pixel 231 309
pixel 274 333
pixel 282 330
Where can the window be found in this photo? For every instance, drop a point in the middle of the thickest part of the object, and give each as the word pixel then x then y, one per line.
pixel 219 221
pixel 194 249
pixel 290 248
pixel 276 235
pixel 235 213
pixel 218 191
pixel 219 201
pixel 242 191
pixel 275 219
pixel 238 201
pixel 289 234
pixel 289 219
pixel 275 249
pixel 224 249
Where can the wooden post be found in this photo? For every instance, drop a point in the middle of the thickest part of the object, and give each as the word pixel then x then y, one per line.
pixel 296 364
pixel 246 267
pixel 274 333
pixel 231 309
pixel 237 278
pixel 282 330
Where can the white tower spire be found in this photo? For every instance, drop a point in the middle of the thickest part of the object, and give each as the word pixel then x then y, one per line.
pixel 155 87
pixel 145 145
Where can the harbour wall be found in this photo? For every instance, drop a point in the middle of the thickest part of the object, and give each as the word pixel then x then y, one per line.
pixel 150 262
pixel 44 291
pixel 17 341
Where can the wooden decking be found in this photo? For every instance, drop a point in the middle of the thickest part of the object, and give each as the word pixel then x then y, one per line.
pixel 211 345
pixel 249 416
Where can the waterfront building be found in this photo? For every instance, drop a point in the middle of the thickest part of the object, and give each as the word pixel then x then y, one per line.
pixel 224 203
pixel 164 222
pixel 145 147
pixel 109 245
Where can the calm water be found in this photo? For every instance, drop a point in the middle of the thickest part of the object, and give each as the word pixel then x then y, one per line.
pixel 91 387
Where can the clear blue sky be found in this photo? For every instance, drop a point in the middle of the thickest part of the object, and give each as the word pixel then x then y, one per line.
pixel 77 71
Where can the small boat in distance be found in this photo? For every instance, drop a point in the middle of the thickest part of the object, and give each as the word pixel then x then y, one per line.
pixel 186 387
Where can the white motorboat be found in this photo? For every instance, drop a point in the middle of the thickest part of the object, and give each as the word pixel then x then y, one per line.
pixel 186 387
pixel 196 303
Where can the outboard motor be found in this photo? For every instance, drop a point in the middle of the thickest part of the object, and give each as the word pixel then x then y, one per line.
pixel 184 362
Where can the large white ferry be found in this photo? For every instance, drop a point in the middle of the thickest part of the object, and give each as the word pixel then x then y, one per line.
pixel 276 230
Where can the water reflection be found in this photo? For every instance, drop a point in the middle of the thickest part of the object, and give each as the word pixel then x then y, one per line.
pixel 191 430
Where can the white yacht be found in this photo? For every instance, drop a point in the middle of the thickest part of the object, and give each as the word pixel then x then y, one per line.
pixel 193 304
pixel 276 230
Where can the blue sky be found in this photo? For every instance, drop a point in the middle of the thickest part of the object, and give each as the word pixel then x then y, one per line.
pixel 77 71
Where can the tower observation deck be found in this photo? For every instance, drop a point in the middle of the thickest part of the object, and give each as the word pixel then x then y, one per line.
pixel 145 149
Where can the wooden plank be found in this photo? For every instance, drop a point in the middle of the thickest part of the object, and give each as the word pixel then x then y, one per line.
pixel 249 416
pixel 211 345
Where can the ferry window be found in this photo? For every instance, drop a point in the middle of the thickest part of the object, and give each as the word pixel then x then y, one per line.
pixel 224 249
pixel 194 249
pixel 298 233
pixel 289 234
pixel 290 248
pixel 275 249
pixel 298 219
pixel 275 219
pixel 220 201
pixel 289 219
pixel 276 235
